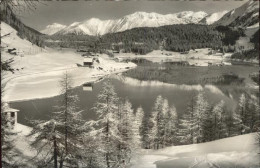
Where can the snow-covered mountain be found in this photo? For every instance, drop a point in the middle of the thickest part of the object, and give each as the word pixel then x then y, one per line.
pixel 96 26
pixel 53 28
pixel 212 18
pixel 243 16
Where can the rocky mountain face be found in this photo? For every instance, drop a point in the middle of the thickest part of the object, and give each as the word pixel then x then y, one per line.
pixel 96 26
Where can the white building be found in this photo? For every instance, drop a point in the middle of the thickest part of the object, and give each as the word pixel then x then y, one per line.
pixel 88 62
pixel 11 114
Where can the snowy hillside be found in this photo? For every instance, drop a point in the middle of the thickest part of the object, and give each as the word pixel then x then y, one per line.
pixel 245 15
pixel 14 41
pixel 53 28
pixel 41 69
pixel 96 26
pixel 212 18
pixel 239 151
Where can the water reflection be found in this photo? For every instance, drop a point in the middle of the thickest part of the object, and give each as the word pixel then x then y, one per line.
pixel 140 93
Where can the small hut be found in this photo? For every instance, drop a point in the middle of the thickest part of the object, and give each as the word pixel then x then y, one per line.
pixel 88 62
pixel 11 114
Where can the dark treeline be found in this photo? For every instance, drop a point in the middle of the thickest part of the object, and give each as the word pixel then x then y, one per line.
pixel 70 41
pixel 173 38
pixel 25 32
pixel 230 34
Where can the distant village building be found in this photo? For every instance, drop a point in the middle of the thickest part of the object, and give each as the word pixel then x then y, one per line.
pixel 88 62
pixel 11 114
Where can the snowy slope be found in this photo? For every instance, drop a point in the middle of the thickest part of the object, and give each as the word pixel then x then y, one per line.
pixel 245 15
pixel 22 46
pixel 96 26
pixel 239 151
pixel 53 28
pixel 212 18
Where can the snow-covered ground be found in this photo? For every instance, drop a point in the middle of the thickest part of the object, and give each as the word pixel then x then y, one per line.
pixel 238 151
pixel 198 57
pixel 22 145
pixel 41 71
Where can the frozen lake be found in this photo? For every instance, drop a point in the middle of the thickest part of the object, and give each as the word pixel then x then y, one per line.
pixel 140 93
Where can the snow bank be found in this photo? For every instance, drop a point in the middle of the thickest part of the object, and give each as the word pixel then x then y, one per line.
pixel 225 153
pixel 22 145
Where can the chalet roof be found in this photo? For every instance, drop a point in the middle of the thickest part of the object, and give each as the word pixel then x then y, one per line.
pixel 7 109
pixel 88 59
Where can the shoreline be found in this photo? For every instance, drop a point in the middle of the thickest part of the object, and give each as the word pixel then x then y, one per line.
pixel 96 79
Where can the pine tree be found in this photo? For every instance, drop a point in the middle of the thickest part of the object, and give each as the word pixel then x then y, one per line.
pixel 146 132
pixel 138 126
pixel 171 120
pixel 92 150
pixel 158 121
pixel 70 119
pixel 253 113
pixel 129 126
pixel 106 108
pixel 47 140
pixel 241 115
pixel 126 132
pixel 200 109
pixel 219 125
pixel 186 123
pixel 63 132
pixel 207 125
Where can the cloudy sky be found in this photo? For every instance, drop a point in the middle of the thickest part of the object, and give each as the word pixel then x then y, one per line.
pixel 67 12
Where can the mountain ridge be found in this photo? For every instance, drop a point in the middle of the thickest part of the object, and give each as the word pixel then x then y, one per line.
pixel 244 16
pixel 95 26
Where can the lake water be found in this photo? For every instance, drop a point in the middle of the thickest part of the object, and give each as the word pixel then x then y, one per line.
pixel 140 93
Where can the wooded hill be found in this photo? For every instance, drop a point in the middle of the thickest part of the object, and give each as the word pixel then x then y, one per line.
pixel 178 38
pixel 25 32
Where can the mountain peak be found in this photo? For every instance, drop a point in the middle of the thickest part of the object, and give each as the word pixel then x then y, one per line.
pixel 243 16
